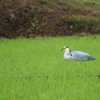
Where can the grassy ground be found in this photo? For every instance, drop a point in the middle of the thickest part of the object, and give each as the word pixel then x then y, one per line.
pixel 34 69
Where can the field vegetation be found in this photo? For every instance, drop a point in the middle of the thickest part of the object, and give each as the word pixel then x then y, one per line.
pixel 34 69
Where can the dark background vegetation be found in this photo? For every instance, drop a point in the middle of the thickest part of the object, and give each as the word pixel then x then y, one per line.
pixel 31 18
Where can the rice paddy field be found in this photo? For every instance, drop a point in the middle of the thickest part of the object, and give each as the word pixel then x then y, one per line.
pixel 34 69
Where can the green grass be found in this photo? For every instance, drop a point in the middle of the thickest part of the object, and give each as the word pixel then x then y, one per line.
pixel 34 69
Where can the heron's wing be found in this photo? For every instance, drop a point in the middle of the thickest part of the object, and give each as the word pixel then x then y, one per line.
pixel 79 56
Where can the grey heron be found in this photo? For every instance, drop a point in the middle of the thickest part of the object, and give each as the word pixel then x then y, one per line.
pixel 76 55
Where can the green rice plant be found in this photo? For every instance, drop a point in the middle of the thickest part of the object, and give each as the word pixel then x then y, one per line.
pixel 34 69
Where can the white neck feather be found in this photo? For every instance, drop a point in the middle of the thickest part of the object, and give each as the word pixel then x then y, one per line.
pixel 67 51
pixel 66 54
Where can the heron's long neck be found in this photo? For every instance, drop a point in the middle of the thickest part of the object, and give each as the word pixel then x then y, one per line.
pixel 66 54
pixel 67 51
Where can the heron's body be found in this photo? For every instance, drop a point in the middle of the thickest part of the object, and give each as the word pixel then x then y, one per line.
pixel 76 55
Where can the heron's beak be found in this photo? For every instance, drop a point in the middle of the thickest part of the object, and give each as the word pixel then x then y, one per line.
pixel 62 49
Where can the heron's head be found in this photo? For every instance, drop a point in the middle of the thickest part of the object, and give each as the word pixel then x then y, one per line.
pixel 65 48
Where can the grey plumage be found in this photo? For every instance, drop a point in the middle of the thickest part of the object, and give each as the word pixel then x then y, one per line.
pixel 76 55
